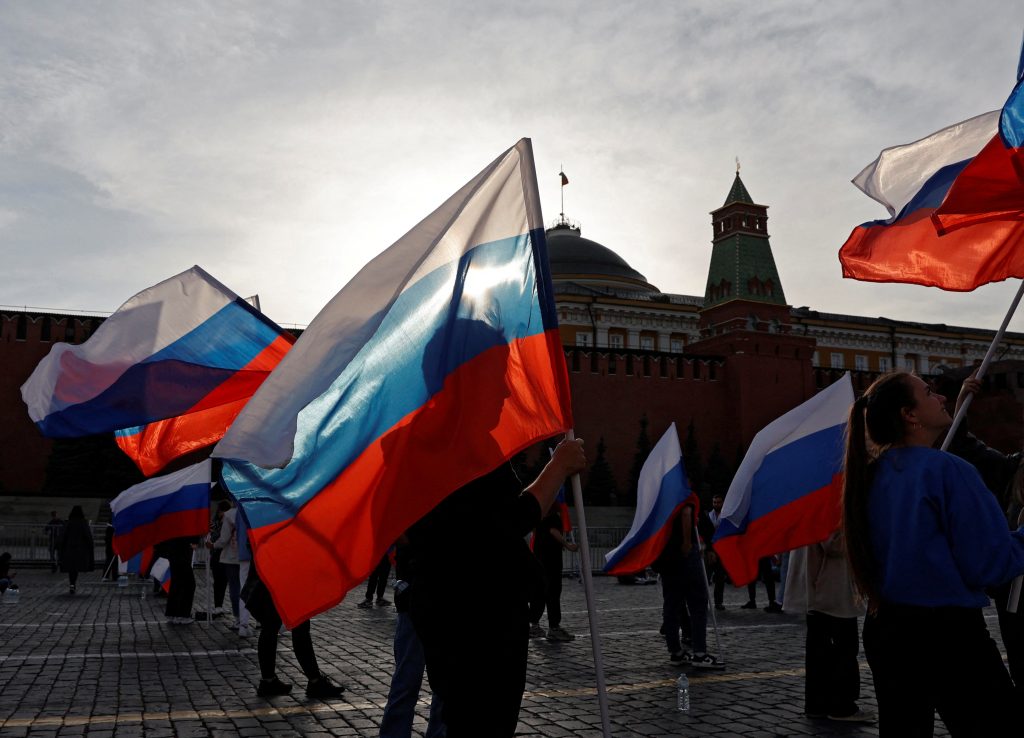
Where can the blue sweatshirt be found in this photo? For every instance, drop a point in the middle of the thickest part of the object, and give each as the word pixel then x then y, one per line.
pixel 937 533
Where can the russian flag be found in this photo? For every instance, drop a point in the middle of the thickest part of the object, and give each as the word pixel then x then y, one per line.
pixel 436 363
pixel 787 491
pixel 188 345
pixel 956 201
pixel 161 572
pixel 138 564
pixel 991 186
pixel 162 508
pixel 662 490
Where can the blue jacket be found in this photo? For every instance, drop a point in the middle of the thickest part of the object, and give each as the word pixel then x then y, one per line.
pixel 938 535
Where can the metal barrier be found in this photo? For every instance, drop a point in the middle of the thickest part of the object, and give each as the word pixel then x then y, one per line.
pixel 29 543
pixel 601 540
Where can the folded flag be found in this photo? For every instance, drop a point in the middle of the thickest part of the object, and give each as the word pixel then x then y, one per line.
pixel 991 186
pixel 171 506
pixel 787 491
pixel 956 201
pixel 437 362
pixel 662 490
pixel 161 572
pixel 186 345
pixel 138 564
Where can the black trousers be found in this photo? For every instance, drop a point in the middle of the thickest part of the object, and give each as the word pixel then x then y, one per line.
pixel 302 644
pixel 220 578
pixel 832 685
pixel 378 579
pixel 941 659
pixel 183 584
pixel 764 573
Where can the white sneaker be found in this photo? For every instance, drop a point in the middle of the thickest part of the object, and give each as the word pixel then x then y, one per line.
pixel 218 611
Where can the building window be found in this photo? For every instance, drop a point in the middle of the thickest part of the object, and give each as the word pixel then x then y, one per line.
pixel 860 363
pixel 615 340
pixel 815 359
pixel 909 364
pixel 582 339
pixel 676 345
pixel 646 343
pixel 883 364
pixel 837 360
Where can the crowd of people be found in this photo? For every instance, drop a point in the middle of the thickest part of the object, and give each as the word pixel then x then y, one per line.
pixel 927 538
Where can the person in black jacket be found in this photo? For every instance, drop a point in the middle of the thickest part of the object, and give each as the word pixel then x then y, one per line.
pixel 1001 473
pixel 76 547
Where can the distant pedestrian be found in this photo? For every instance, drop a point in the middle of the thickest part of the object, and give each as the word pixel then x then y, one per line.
pixel 377 582
pixel 220 579
pixel 718 574
pixel 54 527
pixel 110 565
pixel 76 550
pixel 6 573
pixel 548 542
pixel 257 599
pixel 227 545
pixel 766 575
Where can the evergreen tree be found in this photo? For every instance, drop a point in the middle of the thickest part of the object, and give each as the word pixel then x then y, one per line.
pixel 693 463
pixel 719 472
pixel 643 450
pixel 601 488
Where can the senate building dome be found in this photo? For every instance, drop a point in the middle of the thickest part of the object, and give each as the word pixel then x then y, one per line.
pixel 587 263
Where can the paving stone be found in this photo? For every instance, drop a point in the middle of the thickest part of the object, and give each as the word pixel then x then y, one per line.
pixel 105 664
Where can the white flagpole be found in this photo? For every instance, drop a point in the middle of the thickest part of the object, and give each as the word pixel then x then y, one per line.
pixel 1014 598
pixel 588 590
pixel 714 618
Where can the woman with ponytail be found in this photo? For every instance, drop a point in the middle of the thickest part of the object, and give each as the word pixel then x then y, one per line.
pixel 925 538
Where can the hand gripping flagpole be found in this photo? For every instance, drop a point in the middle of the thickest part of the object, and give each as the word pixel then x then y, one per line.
pixel 588 590
pixel 1014 598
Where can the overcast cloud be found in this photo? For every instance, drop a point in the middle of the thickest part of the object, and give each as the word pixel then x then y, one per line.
pixel 282 145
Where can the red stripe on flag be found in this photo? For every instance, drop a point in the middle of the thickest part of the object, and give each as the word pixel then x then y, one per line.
pixel 173 525
pixel 643 555
pixel 809 519
pixel 910 250
pixel 311 561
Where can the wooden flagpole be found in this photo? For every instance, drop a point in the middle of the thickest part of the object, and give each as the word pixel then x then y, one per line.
pixel 1012 602
pixel 588 590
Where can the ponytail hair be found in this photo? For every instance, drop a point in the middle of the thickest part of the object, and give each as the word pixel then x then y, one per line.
pixel 876 416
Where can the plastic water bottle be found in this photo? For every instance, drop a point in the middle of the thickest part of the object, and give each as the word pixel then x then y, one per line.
pixel 683 694
pixel 122 581
pixel 11 595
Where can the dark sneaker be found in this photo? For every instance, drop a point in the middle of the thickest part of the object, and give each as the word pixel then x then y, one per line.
pixel 706 661
pixel 365 605
pixel 858 716
pixel 560 634
pixel 381 602
pixel 751 605
pixel 682 658
pixel 536 631
pixel 272 687
pixel 322 688
pixel 773 607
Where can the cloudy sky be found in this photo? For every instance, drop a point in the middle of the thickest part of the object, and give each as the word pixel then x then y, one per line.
pixel 281 145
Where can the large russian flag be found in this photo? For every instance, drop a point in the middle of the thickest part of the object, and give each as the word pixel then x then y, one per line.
pixel 662 490
pixel 437 362
pixel 171 506
pixel 956 201
pixel 787 491
pixel 991 186
pixel 188 345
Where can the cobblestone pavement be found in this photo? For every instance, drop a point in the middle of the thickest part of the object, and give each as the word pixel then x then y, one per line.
pixel 104 663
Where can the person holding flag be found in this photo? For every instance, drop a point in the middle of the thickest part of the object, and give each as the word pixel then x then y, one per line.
pixel 664 536
pixel 925 538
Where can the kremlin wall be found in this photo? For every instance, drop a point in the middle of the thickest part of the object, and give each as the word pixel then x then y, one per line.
pixel 720 365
